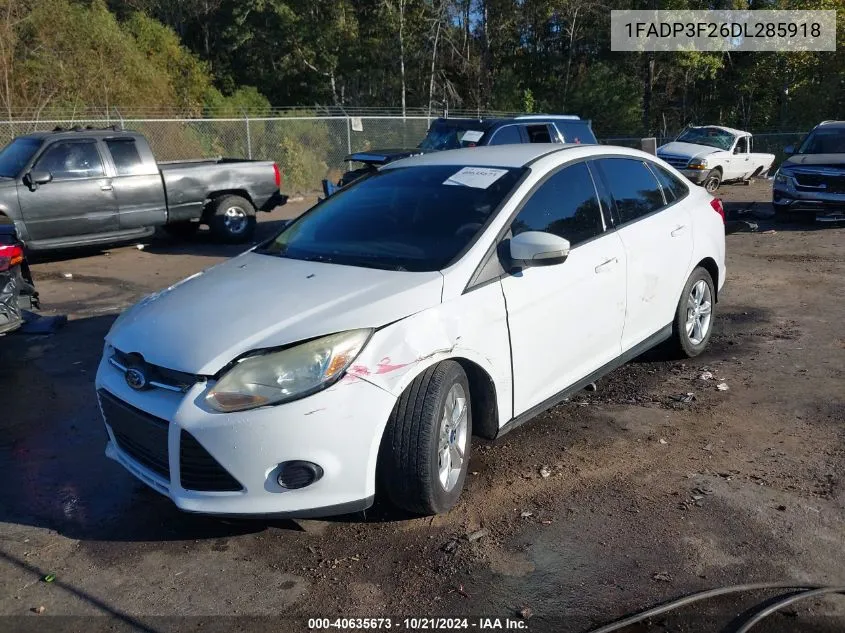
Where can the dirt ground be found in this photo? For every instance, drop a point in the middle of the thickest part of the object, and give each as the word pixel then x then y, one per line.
pixel 649 497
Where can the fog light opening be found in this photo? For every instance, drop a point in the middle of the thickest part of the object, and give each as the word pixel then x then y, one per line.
pixel 298 474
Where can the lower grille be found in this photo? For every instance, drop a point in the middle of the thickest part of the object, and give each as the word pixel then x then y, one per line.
pixel 140 435
pixel 198 470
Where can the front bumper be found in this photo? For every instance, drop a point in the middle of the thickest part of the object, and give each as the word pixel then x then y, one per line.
pixel 828 207
pixel 339 429
pixel 697 176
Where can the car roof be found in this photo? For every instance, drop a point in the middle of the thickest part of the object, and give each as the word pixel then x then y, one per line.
pixel 516 155
pixel 730 130
pixel 512 156
pixel 527 119
pixel 833 124
pixel 64 133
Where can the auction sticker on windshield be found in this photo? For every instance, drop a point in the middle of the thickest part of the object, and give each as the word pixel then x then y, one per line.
pixel 476 177
pixel 472 136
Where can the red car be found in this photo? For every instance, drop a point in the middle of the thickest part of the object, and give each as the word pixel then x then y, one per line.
pixel 17 292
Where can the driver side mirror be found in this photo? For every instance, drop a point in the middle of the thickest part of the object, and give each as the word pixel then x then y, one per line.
pixel 537 248
pixel 35 178
pixel 789 150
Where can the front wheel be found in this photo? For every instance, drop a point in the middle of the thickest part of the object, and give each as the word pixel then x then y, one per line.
pixel 693 323
pixel 231 219
pixel 425 449
pixel 713 181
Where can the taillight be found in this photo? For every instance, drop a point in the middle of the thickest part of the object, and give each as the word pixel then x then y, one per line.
pixel 716 203
pixel 10 256
pixel 277 173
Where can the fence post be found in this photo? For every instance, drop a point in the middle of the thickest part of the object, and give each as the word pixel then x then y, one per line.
pixel 348 135
pixel 248 137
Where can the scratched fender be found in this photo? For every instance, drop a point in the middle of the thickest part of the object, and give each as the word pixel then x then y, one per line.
pixel 471 326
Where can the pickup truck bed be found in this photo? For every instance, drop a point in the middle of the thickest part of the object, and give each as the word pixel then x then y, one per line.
pixel 72 188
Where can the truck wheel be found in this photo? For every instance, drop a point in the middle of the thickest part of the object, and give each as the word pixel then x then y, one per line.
pixel 182 229
pixel 693 323
pixel 425 450
pixel 231 219
pixel 713 180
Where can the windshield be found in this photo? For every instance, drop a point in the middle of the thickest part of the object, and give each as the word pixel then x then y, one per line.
pixel 16 155
pixel 407 218
pixel 710 136
pixel 830 141
pixel 452 136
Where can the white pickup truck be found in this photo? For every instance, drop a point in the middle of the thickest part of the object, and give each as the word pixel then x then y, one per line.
pixel 710 155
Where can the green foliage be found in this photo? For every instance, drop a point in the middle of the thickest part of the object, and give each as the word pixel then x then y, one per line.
pixel 527 100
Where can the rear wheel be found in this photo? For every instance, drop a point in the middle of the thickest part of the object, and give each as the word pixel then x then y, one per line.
pixel 693 323
pixel 231 219
pixel 425 449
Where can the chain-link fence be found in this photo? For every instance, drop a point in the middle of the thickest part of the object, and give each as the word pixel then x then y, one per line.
pixel 307 148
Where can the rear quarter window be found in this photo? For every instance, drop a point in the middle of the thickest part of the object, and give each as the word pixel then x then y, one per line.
pixel 576 132
pixel 673 188
pixel 635 190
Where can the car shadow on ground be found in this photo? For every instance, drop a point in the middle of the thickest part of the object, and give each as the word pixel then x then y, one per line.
pixel 759 217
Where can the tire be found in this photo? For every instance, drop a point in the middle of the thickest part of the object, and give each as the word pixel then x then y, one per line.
pixel 712 181
pixel 182 229
pixel 231 219
pixel 410 470
pixel 690 344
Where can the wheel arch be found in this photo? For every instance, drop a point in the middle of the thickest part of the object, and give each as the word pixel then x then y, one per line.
pixel 709 264
pixel 214 196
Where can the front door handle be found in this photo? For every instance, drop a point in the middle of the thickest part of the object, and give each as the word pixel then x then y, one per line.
pixel 679 230
pixel 607 265
pixel 106 188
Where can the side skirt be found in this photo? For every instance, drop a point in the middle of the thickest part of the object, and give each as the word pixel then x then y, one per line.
pixel 653 340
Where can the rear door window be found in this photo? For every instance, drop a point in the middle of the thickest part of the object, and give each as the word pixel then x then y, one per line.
pixel 539 133
pixel 635 190
pixel 565 204
pixel 124 153
pixel 506 135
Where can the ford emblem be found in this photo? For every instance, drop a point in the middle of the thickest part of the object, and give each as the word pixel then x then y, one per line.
pixel 135 378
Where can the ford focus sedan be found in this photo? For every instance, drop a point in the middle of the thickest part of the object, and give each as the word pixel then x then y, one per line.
pixel 446 296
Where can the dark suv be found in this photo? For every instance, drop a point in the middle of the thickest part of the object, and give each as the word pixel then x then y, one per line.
pixel 457 133
pixel 810 184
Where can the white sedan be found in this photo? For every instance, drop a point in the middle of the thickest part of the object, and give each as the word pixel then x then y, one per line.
pixel 448 295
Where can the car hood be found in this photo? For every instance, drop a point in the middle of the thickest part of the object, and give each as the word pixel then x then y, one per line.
pixel 257 301
pixel 690 150
pixel 815 160
pixel 383 156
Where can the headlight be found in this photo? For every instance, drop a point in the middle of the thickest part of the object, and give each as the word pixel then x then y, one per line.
pixel 274 377
pixel 698 163
pixel 781 178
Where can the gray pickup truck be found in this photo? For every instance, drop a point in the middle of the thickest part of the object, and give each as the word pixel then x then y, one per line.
pixel 94 186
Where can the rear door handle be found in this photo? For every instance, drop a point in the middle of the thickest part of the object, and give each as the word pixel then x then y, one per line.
pixel 606 265
pixel 106 188
pixel 679 230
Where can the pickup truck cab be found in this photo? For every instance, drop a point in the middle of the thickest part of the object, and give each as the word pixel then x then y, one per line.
pixel 810 184
pixel 85 186
pixel 445 133
pixel 710 155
